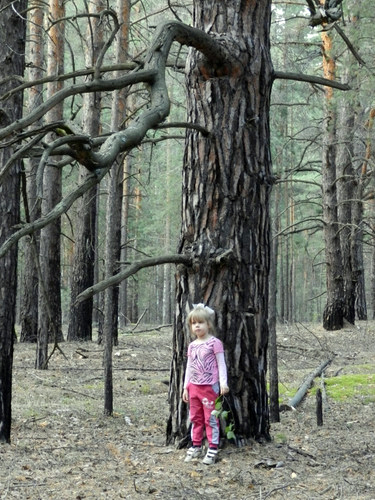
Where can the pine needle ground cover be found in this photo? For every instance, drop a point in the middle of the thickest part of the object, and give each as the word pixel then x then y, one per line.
pixel 64 448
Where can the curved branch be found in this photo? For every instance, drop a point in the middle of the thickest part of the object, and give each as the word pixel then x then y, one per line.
pixel 292 228
pixel 19 154
pixel 155 60
pixel 145 76
pixel 129 271
pixel 120 142
pixel 75 139
pixel 153 74
pixel 108 43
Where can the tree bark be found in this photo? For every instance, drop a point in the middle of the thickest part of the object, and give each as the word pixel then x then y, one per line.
pixel 352 181
pixel 225 209
pixel 12 62
pixel 333 315
pixel 345 197
pixel 82 276
pixel 123 289
pixel 272 314
pixel 49 325
pixel 363 150
pixel 30 288
pixel 113 233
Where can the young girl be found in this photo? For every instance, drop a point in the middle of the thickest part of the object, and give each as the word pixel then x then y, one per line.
pixel 205 379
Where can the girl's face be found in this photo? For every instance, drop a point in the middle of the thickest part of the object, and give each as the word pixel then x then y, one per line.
pixel 199 328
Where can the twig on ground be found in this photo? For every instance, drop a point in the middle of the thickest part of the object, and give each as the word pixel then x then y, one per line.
pixel 282 487
pixel 301 452
pixel 148 330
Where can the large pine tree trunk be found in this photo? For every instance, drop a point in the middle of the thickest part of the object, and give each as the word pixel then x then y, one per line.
pixel 363 149
pixel 225 210
pixel 345 196
pixel 12 50
pixel 333 315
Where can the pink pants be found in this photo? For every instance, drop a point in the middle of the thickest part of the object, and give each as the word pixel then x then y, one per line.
pixel 202 403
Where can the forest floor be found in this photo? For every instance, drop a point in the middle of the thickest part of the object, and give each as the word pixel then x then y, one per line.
pixel 63 447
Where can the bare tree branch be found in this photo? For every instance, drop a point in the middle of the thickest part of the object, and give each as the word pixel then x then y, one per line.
pixel 349 44
pixel 56 212
pixel 101 161
pixel 133 269
pixel 66 76
pixel 144 76
pixel 317 80
pixel 153 74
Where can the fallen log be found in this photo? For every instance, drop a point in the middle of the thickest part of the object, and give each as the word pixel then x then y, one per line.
pixel 300 394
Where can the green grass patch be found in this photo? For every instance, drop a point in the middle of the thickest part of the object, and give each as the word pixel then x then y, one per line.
pixel 99 385
pixel 281 438
pixel 342 387
pixel 351 386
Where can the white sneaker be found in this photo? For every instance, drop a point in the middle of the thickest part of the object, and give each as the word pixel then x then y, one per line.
pixel 193 452
pixel 210 457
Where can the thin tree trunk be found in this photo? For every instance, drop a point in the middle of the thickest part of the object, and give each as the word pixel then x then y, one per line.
pixel 80 320
pixel 134 290
pixel 123 292
pixel 12 62
pixel 272 313
pixel 113 233
pixel 166 297
pixel 292 285
pixel 49 326
pixel 30 288
pixel 282 281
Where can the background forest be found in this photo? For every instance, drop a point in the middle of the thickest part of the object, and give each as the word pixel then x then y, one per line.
pixel 80 225
pixel 137 207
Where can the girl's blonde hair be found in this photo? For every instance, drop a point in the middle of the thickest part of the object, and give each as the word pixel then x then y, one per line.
pixel 201 313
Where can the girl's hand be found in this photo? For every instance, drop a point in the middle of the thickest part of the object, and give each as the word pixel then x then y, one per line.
pixel 224 389
pixel 185 396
